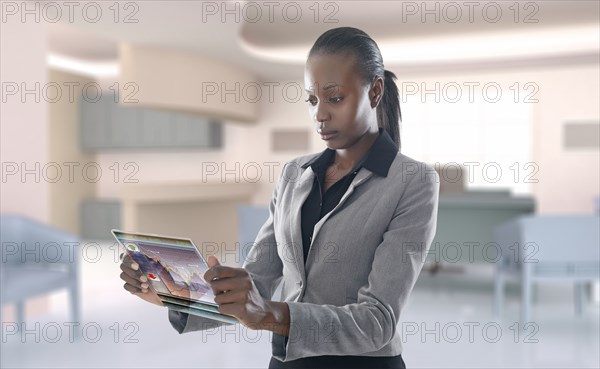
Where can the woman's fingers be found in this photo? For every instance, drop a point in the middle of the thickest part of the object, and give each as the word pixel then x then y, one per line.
pixel 129 262
pixel 221 271
pixel 133 273
pixel 134 282
pixel 230 297
pixel 131 288
pixel 227 284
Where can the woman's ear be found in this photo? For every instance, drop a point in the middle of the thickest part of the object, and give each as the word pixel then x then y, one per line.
pixel 376 92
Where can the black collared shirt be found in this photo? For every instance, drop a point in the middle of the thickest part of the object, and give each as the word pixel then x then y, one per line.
pixel 377 159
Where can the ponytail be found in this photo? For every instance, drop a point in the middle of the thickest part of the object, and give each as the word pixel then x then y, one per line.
pixel 389 115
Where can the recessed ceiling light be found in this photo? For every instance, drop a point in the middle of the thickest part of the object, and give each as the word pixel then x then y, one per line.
pixel 461 48
pixel 99 70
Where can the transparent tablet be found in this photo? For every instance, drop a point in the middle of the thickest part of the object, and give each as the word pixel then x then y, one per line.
pixel 174 268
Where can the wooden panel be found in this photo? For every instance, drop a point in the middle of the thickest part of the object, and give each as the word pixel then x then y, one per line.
pixel 107 125
pixel 157 128
pixel 290 140
pixel 582 135
pixel 94 124
pixel 124 131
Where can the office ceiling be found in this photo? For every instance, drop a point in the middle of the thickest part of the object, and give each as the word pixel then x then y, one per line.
pixel 274 45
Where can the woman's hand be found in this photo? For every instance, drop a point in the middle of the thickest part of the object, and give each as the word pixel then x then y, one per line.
pixel 237 296
pixel 136 282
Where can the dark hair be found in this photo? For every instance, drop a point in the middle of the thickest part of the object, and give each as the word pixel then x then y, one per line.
pixel 370 64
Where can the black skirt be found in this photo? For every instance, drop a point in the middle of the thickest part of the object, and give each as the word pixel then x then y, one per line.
pixel 333 361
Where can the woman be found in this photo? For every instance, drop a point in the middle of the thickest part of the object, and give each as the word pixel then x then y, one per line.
pixel 348 228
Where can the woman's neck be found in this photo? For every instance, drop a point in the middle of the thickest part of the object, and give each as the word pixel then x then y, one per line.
pixel 346 159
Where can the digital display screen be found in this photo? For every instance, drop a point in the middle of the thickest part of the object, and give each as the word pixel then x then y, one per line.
pixel 172 266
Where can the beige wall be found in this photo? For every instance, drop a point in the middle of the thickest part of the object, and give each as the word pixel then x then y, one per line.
pixel 567 181
pixel 23 127
pixel 23 132
pixel 245 144
pixel 66 194
pixel 172 79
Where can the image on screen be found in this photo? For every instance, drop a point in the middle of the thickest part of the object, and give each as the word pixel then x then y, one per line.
pixel 172 266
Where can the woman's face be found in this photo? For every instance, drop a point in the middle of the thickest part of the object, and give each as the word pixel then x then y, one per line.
pixel 337 97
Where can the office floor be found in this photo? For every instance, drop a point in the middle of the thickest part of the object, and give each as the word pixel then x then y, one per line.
pixel 448 323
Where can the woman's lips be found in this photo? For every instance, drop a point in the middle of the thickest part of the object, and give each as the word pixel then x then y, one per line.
pixel 327 135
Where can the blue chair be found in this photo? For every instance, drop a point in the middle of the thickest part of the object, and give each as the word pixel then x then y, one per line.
pixel 37 259
pixel 250 219
pixel 546 248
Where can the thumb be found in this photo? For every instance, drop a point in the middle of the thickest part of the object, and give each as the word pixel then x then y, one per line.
pixel 213 261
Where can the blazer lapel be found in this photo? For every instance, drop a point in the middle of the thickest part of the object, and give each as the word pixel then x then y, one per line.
pixel 299 195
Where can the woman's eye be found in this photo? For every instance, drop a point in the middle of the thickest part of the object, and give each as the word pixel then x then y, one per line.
pixel 336 99
pixel 311 100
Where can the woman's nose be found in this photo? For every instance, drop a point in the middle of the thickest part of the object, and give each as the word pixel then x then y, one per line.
pixel 322 113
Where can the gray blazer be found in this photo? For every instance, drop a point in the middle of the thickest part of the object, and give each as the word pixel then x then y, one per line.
pixel 364 260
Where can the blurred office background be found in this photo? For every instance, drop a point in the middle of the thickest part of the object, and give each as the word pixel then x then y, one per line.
pixel 177 117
